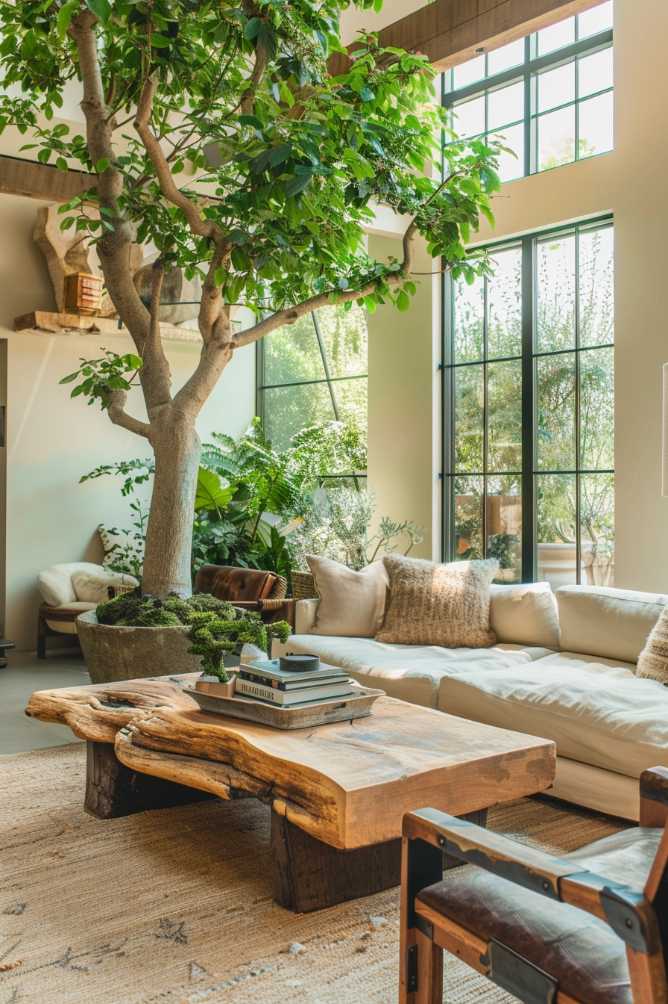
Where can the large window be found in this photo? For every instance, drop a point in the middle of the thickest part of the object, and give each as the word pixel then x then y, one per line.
pixel 549 95
pixel 314 371
pixel 528 414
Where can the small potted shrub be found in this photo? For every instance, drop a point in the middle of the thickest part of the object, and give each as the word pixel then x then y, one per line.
pixel 218 638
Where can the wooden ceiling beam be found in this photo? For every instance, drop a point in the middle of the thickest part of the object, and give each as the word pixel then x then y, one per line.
pixel 41 181
pixel 450 31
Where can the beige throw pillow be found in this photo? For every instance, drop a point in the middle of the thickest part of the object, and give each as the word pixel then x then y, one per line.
pixel 653 660
pixel 430 604
pixel 351 603
pixel 98 588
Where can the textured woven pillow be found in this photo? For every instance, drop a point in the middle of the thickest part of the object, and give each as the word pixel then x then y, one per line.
pixel 351 603
pixel 431 604
pixel 653 660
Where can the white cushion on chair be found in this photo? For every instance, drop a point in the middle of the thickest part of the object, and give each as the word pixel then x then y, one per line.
pixel 55 584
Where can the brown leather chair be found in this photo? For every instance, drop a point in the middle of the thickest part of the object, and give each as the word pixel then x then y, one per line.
pixel 590 927
pixel 249 588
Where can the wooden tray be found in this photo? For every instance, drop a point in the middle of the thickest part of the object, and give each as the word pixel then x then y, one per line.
pixel 303 717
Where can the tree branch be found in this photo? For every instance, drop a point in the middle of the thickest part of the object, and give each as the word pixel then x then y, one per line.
pixel 168 187
pixel 291 314
pixel 119 415
pixel 114 245
pixel 155 374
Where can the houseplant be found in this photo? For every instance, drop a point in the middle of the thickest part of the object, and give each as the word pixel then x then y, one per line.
pixel 217 135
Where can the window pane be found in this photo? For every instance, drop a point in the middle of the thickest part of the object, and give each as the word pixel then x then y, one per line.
pixel 468 72
pixel 506 104
pixel 556 87
pixel 292 354
pixel 555 409
pixel 467 511
pixel 505 57
pixel 504 304
pixel 555 292
pixel 556 138
pixel 595 72
pixel 556 36
pixel 597 529
pixel 511 165
pixel 289 409
pixel 469 407
pixel 597 420
pixel 469 310
pixel 345 337
pixel 469 117
pixel 555 529
pixel 504 526
pixel 597 288
pixel 596 126
pixel 504 424
pixel 352 401
pixel 597 19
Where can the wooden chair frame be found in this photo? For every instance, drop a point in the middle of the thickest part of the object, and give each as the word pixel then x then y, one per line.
pixel 638 917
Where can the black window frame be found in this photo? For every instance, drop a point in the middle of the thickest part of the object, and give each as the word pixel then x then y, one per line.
pixel 527 71
pixel 529 357
pixel 357 477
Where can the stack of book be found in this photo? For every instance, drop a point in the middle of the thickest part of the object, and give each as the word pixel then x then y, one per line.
pixel 264 680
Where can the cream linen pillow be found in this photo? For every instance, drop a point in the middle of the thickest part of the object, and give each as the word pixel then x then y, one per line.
pixel 91 587
pixel 525 614
pixel 351 603
pixel 430 604
pixel 653 660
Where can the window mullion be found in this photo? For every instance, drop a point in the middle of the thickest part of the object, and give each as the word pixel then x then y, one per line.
pixel 528 506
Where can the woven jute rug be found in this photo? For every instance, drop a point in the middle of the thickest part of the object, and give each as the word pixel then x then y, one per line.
pixel 175 907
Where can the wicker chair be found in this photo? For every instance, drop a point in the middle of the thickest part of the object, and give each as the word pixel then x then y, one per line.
pixel 590 927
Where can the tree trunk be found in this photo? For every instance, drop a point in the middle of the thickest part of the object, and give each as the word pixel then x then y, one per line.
pixel 167 556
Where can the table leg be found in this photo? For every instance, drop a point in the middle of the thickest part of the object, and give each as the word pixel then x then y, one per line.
pixel 310 875
pixel 114 790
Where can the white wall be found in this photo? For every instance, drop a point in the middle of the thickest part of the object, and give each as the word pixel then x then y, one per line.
pixel 52 441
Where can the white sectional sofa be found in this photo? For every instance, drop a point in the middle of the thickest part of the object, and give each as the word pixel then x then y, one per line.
pixel 563 668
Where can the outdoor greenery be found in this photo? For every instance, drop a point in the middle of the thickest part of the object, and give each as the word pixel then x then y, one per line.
pixel 559 294
pixel 218 135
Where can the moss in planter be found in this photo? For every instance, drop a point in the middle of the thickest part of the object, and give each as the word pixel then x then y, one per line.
pixel 134 610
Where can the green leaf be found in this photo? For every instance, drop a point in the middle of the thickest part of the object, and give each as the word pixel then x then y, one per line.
pixel 252 28
pixel 65 15
pixel 101 9
pixel 403 300
pixel 212 492
pixel 102 165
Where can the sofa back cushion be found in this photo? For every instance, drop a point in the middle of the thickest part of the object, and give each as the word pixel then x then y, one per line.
pixel 612 623
pixel 434 604
pixel 352 603
pixel 525 614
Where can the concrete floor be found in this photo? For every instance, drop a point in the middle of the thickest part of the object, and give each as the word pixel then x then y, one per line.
pixel 25 673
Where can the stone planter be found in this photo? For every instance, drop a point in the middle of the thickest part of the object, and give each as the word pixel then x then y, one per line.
pixel 126 653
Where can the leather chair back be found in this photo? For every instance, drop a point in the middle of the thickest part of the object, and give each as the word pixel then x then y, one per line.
pixel 235 584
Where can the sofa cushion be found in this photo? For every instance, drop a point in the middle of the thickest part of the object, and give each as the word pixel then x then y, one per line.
pixel 596 710
pixel 101 586
pixel 437 604
pixel 55 584
pixel 525 614
pixel 351 603
pixel 612 623
pixel 410 672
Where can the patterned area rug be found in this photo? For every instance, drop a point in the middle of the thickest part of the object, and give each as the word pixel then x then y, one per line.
pixel 175 907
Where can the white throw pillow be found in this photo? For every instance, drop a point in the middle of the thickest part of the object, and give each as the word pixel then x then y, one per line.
pixel 525 614
pixel 352 603
pixel 101 586
pixel 55 583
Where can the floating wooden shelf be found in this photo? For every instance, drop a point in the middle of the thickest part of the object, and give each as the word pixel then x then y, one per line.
pixel 53 323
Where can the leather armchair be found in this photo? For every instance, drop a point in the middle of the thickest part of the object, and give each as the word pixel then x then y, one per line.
pixel 250 588
pixel 590 927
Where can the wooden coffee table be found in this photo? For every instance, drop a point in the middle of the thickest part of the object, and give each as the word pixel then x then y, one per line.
pixel 337 793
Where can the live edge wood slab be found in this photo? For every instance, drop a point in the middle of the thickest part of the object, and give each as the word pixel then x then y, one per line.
pixel 337 792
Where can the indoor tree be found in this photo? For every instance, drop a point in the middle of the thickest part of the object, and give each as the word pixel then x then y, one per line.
pixel 220 138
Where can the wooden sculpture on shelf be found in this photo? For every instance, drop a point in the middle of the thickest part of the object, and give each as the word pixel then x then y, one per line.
pixel 83 304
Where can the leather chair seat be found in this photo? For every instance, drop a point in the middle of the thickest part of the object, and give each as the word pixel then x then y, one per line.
pixel 577 950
